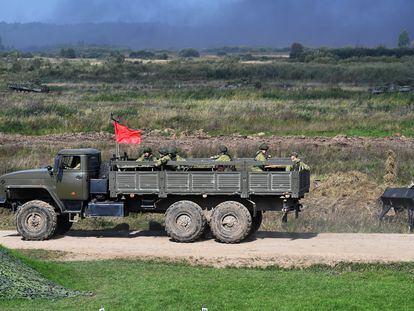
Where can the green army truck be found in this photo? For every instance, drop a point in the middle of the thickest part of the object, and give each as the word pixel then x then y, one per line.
pixel 193 194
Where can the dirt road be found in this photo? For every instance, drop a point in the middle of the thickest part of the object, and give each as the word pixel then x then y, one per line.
pixel 266 248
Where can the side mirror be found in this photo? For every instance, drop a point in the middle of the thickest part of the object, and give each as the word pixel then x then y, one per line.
pixel 50 169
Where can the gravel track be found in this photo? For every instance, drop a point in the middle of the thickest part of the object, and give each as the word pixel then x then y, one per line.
pixel 266 248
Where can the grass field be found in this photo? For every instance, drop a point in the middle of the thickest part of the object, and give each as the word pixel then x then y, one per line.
pixel 315 111
pixel 220 96
pixel 138 285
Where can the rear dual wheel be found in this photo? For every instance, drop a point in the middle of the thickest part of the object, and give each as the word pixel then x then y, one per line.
pixel 230 222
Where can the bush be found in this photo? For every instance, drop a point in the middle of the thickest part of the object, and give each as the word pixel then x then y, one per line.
pixel 296 50
pixel 68 53
pixel 189 53
pixel 142 54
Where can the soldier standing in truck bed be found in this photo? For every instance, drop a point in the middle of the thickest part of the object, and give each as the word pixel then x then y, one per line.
pixel 298 165
pixel 166 155
pixel 174 156
pixel 163 158
pixel 173 153
pixel 261 155
pixel 223 156
pixel 146 155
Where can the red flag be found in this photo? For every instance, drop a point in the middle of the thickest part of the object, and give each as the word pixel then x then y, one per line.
pixel 124 135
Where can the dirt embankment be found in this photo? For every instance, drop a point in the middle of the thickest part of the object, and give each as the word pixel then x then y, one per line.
pixel 187 142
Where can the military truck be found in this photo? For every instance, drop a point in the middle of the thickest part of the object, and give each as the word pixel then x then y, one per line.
pixel 193 194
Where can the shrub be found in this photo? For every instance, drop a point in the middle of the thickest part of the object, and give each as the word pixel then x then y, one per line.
pixel 189 53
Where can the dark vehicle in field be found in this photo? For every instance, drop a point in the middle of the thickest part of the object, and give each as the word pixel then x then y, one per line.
pixel 28 87
pixel 399 199
pixel 193 194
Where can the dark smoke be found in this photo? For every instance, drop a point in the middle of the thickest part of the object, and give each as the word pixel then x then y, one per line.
pixel 208 23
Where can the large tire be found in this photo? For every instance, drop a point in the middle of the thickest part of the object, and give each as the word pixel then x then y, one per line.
pixel 36 220
pixel 230 222
pixel 185 221
pixel 63 224
pixel 256 222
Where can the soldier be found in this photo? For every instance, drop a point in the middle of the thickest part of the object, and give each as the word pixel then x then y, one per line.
pixel 164 157
pixel 261 155
pixel 146 155
pixel 173 153
pixel 174 156
pixel 222 157
pixel 298 165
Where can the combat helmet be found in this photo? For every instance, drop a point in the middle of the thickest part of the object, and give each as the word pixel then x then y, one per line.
pixel 223 149
pixel 264 146
pixel 172 151
pixel 163 151
pixel 146 150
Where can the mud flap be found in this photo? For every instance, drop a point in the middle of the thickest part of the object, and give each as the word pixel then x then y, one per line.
pixel 288 207
pixel 410 212
pixel 385 210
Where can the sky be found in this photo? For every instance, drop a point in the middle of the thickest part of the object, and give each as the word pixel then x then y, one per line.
pixel 234 22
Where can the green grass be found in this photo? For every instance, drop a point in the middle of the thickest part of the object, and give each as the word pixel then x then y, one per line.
pixel 138 285
pixel 318 112
pixel 220 96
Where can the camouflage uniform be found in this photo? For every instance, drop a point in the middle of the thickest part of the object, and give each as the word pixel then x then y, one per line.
pixel 222 157
pixel 260 156
pixel 298 165
pixel 164 157
pixel 150 157
pixel 171 156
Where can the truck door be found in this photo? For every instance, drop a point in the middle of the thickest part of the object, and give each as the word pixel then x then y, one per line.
pixel 71 184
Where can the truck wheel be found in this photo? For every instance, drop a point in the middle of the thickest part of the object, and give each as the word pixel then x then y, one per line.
pixel 63 224
pixel 256 221
pixel 230 222
pixel 36 220
pixel 185 221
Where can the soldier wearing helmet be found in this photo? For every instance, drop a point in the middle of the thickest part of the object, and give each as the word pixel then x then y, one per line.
pixel 146 155
pixel 223 156
pixel 174 156
pixel 297 165
pixel 173 153
pixel 163 158
pixel 166 155
pixel 261 155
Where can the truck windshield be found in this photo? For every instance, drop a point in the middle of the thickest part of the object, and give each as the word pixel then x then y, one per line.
pixel 71 162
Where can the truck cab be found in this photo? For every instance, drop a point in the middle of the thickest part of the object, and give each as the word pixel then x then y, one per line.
pixel 45 198
pixel 73 171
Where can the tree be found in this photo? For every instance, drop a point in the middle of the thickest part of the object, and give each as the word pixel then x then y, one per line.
pixel 296 50
pixel 68 53
pixel 189 53
pixel 141 54
pixel 1 45
pixel 404 39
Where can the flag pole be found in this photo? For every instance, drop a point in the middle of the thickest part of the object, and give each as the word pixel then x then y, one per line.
pixel 117 151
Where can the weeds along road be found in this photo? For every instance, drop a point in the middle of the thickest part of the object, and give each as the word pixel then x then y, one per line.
pixel 266 248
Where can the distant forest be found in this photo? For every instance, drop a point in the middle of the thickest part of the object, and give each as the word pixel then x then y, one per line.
pixel 35 37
